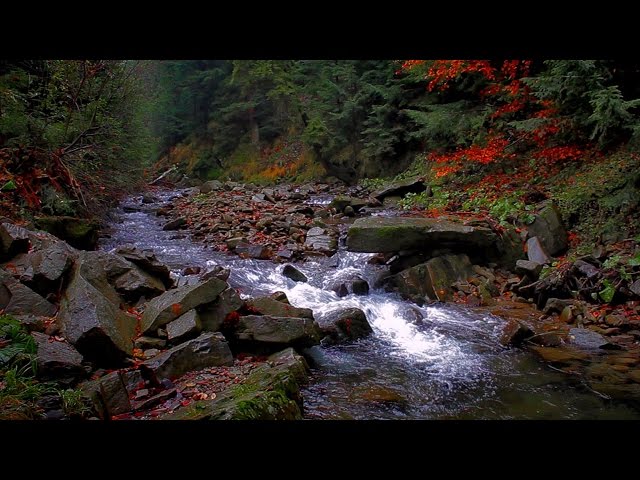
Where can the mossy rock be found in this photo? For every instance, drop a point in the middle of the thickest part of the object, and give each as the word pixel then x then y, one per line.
pixel 270 392
pixel 77 232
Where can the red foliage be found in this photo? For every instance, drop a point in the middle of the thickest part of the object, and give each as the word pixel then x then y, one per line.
pixel 231 320
pixel 557 154
pixel 176 308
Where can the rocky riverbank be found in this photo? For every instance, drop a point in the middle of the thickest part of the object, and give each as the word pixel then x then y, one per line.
pixel 579 314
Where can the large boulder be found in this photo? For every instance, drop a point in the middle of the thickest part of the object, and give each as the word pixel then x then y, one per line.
pixel 208 350
pixel 148 262
pixel 173 303
pixel 213 314
pixel 57 360
pixel 185 326
pixel 275 308
pixel 25 301
pixel 77 232
pixel 548 227
pixel 270 392
pixel 95 325
pixel 108 394
pixel 391 234
pixel 275 332
pixel 49 267
pixel 432 280
pixel 117 278
pixel 319 239
pixel 344 325
pixel 400 189
pixel 13 240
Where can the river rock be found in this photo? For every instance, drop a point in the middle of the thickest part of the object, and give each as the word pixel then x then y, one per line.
pixel 514 333
pixel 175 224
pixel 13 240
pixel 145 343
pixel 148 262
pixel 270 392
pixel 173 303
pixel 585 269
pixel 213 315
pixel 259 252
pixel 588 339
pixel 25 301
pixel 432 280
pixel 536 252
pixel 548 227
pixel 341 202
pixel 77 232
pixel 392 234
pixel 183 327
pixel 528 268
pixel 276 332
pixel 57 360
pixel 293 273
pixel 208 350
pixel 49 267
pixel 344 325
pixel 318 239
pixel 108 394
pixel 275 308
pixel 94 325
pixel 635 288
pixel 400 189
pixel 360 287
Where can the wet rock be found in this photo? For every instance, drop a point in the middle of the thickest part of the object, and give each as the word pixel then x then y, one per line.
pixel 57 360
pixel 77 232
pixel 391 234
pixel 175 224
pixel 108 394
pixel 318 239
pixel 272 307
pixel 25 301
pixel 280 297
pixel 558 354
pixel 185 326
pixel 216 271
pixel 341 202
pixel 270 392
pixel 432 280
pixel 536 252
pixel 148 262
pixel 528 268
pixel 344 325
pixel 95 326
pixel 379 394
pixel 588 339
pixel 400 189
pixel 150 342
pixel 213 315
pixel 190 271
pixel 514 333
pixel 276 332
pixel 548 228
pixel 557 305
pixel 349 211
pixel 285 253
pixel 340 289
pixel 208 350
pixel 173 303
pixel 293 273
pixel 259 252
pixel 360 287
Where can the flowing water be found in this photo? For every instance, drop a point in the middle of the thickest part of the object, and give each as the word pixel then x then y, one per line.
pixel 432 362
